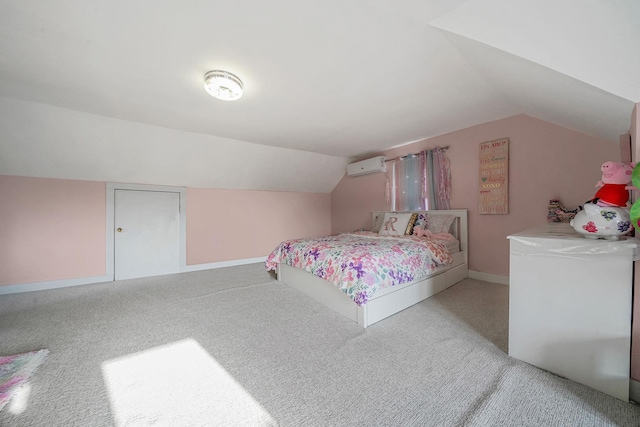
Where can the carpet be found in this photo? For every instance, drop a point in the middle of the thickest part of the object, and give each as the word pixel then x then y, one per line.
pixel 233 347
pixel 16 370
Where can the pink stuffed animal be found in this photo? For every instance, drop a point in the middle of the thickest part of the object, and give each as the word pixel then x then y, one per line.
pixel 614 185
pixel 421 232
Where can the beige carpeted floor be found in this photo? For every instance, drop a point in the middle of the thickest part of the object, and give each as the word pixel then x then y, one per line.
pixel 234 347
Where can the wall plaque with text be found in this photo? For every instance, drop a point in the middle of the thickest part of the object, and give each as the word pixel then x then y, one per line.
pixel 494 177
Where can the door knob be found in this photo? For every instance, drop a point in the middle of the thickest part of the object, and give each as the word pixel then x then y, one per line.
pixel 119 230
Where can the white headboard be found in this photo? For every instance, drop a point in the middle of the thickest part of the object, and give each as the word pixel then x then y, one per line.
pixel 459 227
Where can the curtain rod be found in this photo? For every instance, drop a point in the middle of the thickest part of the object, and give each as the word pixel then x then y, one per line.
pixel 415 154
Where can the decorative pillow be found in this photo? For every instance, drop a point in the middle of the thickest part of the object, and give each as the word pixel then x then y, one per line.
pixel 411 224
pixel 377 223
pixel 440 223
pixel 395 224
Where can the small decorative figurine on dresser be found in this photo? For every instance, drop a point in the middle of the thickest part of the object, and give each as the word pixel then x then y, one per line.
pixel 606 216
pixel 558 213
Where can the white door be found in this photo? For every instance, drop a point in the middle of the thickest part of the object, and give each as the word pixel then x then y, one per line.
pixel 146 233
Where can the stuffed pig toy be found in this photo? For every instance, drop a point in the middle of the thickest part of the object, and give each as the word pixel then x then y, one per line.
pixel 605 216
pixel 614 185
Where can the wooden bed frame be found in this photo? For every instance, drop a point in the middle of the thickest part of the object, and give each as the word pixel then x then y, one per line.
pixel 390 300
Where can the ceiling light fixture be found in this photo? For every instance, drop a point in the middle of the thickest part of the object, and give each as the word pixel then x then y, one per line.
pixel 223 85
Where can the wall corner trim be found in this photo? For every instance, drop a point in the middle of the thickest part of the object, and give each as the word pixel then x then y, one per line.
pixel 64 283
pixel 52 284
pixel 221 264
pixel 634 390
pixel 494 278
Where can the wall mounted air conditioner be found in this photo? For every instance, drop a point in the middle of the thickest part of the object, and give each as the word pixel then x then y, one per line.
pixel 363 167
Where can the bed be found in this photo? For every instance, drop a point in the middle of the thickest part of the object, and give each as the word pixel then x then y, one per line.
pixel 387 300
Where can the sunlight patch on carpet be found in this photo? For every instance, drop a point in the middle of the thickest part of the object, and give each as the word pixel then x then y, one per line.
pixel 178 384
pixel 15 372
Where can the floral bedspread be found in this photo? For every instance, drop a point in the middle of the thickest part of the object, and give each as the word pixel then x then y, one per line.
pixel 361 263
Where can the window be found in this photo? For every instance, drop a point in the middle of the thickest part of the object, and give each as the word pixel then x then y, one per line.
pixel 421 181
pixel 409 183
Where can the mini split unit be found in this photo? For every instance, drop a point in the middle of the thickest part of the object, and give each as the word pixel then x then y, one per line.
pixel 364 167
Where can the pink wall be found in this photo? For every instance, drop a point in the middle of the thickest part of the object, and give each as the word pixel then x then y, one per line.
pixel 232 224
pixel 353 200
pixel 546 161
pixel 54 229
pixel 51 229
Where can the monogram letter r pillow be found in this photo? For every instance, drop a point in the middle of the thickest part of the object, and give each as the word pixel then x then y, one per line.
pixel 395 224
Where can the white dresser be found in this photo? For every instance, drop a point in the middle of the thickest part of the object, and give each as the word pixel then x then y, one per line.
pixel 570 301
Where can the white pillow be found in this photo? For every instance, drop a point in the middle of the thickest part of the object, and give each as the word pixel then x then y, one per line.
pixel 440 223
pixel 395 224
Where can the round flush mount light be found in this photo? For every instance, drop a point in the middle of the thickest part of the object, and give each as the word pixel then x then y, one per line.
pixel 223 85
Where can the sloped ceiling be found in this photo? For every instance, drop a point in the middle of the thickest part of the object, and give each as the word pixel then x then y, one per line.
pixel 325 81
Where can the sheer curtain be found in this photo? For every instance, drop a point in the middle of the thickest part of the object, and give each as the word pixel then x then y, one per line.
pixel 420 181
pixel 409 184
pixel 438 175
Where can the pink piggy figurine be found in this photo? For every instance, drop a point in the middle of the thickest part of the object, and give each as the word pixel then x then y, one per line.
pixel 598 222
pixel 614 185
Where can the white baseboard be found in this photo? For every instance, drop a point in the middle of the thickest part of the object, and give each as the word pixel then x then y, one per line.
pixel 232 263
pixel 634 390
pixel 64 283
pixel 52 284
pixel 494 278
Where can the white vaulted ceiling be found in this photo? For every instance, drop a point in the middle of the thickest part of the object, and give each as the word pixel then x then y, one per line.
pixel 325 81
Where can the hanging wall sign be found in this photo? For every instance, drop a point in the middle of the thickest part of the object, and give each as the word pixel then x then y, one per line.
pixel 494 177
